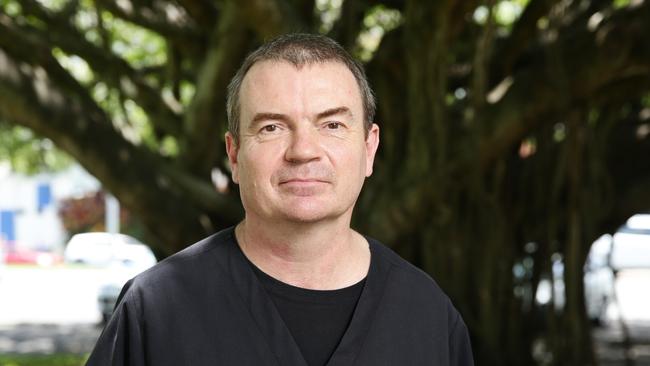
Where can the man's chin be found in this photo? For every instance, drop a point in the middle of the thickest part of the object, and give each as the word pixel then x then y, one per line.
pixel 307 217
pixel 311 215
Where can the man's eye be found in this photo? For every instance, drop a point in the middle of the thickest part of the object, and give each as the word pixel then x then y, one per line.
pixel 333 125
pixel 270 128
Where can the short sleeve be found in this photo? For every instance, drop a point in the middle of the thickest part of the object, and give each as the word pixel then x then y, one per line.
pixel 121 341
pixel 460 348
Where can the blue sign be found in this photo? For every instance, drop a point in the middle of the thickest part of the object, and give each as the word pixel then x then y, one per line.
pixel 44 192
pixel 7 225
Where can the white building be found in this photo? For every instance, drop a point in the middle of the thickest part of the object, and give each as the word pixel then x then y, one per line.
pixel 29 205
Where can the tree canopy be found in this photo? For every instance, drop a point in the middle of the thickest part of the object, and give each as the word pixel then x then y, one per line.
pixel 512 131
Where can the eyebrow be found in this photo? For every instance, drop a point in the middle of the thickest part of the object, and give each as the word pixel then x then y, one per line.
pixel 334 111
pixel 267 116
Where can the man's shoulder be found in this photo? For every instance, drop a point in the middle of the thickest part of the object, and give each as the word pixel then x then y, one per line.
pixel 410 287
pixel 402 268
pixel 219 241
pixel 410 282
pixel 208 254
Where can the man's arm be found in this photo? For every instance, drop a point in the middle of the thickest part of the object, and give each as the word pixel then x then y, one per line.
pixel 121 341
pixel 460 348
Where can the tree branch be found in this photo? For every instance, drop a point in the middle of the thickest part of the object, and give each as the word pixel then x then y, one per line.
pixel 110 68
pixel 483 51
pixel 270 18
pixel 203 11
pixel 206 117
pixel 521 37
pixel 347 27
pixel 629 170
pixel 593 59
pixel 180 30
pixel 29 49
pixel 158 192
pixel 458 14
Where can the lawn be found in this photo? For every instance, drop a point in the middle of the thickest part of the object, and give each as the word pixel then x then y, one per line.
pixel 43 360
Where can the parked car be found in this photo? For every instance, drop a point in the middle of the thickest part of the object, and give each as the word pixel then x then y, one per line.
pixel 631 244
pixel 599 279
pixel 101 249
pixel 121 256
pixel 31 256
pixel 117 275
pixel 627 249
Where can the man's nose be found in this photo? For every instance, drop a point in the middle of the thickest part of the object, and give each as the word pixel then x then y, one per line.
pixel 304 145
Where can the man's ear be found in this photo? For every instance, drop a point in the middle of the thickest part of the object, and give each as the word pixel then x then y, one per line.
pixel 372 143
pixel 231 150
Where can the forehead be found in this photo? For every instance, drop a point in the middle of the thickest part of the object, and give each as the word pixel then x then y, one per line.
pixel 281 87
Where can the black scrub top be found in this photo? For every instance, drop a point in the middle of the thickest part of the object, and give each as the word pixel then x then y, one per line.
pixel 205 306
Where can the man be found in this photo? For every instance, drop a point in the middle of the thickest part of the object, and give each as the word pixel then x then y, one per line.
pixel 292 284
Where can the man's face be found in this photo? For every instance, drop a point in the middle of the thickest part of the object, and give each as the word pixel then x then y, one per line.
pixel 302 155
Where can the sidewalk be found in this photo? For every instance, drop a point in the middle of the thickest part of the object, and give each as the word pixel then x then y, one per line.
pixel 48 338
pixel 612 346
pixel 80 339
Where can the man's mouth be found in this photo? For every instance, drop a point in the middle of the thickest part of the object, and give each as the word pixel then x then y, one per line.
pixel 303 181
pixel 303 186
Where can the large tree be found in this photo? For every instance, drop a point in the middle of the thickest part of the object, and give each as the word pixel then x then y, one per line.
pixel 513 132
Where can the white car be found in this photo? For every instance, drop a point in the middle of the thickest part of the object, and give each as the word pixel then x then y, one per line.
pixel 610 256
pixel 121 256
pixel 599 279
pixel 628 249
pixel 631 244
pixel 100 249
pixel 116 276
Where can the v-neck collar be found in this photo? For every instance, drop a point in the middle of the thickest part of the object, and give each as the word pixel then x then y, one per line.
pixel 275 331
pixel 352 342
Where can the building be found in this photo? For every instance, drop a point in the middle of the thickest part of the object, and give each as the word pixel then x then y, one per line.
pixel 29 206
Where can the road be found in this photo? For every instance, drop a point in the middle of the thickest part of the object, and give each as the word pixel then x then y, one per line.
pixel 627 330
pixel 49 309
pixel 50 295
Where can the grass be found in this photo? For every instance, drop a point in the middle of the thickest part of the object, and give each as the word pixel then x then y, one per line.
pixel 43 360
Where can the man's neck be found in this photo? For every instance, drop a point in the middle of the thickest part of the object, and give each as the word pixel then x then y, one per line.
pixel 320 256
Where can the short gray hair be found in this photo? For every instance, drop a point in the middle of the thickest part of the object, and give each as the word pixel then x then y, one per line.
pixel 299 49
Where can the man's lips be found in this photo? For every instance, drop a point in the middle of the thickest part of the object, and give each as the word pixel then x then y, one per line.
pixel 303 186
pixel 303 181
